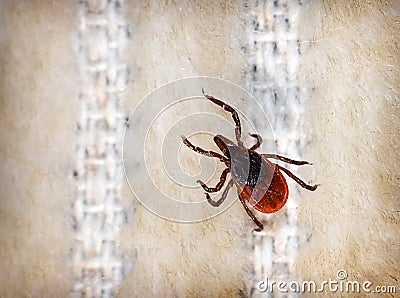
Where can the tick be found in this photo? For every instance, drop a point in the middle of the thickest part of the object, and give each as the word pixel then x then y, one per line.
pixel 257 180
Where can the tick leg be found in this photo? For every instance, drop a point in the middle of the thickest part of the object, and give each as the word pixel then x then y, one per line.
pixel 252 216
pixel 235 116
pixel 259 141
pixel 297 179
pixel 202 151
pixel 223 197
pixel 287 160
pixel 218 186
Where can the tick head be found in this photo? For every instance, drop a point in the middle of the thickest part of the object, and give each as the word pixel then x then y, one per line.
pixel 224 144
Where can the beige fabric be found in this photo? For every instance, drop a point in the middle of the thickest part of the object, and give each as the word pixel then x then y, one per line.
pixel 274 54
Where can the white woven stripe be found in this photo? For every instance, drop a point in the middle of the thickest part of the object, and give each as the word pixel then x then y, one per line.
pixel 274 55
pixel 97 265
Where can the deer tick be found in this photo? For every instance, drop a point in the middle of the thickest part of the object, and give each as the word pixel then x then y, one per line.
pixel 257 180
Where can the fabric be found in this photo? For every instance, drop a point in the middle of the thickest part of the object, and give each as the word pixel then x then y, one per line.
pixel 97 265
pixel 273 54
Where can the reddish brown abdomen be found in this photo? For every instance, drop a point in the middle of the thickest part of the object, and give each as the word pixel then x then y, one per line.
pixel 267 199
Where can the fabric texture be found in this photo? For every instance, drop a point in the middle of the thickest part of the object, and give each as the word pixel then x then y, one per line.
pixel 273 54
pixel 97 263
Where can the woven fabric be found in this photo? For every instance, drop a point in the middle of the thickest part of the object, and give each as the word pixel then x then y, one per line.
pixel 98 214
pixel 273 54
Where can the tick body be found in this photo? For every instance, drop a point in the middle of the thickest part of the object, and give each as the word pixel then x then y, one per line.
pixel 258 181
